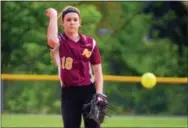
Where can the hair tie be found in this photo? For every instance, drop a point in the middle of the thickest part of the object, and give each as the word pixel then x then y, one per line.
pixel 69 11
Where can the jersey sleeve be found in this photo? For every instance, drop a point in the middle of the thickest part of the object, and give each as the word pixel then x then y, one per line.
pixel 95 56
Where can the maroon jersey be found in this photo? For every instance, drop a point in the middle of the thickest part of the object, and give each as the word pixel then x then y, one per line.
pixel 74 60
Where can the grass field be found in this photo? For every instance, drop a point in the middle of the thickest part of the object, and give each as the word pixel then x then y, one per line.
pixel 23 120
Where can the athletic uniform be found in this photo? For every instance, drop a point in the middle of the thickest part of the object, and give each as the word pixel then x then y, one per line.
pixel 74 60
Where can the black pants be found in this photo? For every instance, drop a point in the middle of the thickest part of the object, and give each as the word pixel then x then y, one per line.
pixel 72 100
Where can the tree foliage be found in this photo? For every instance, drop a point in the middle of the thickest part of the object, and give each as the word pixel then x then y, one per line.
pixel 120 29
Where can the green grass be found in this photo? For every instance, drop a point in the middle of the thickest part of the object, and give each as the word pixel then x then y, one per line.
pixel 24 120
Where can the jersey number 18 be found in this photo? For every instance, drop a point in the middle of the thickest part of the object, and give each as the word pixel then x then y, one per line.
pixel 66 63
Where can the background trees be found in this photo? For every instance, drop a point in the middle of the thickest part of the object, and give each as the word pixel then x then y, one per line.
pixel 131 42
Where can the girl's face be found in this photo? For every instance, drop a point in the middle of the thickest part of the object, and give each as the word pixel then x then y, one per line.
pixel 71 22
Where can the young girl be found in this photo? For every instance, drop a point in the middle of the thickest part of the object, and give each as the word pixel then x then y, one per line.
pixel 76 55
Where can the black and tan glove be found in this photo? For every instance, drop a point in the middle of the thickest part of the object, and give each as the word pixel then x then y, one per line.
pixel 96 109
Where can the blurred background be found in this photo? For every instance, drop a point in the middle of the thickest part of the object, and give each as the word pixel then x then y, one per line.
pixel 133 37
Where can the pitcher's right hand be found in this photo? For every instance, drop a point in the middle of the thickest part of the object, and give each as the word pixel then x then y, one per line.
pixel 51 12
